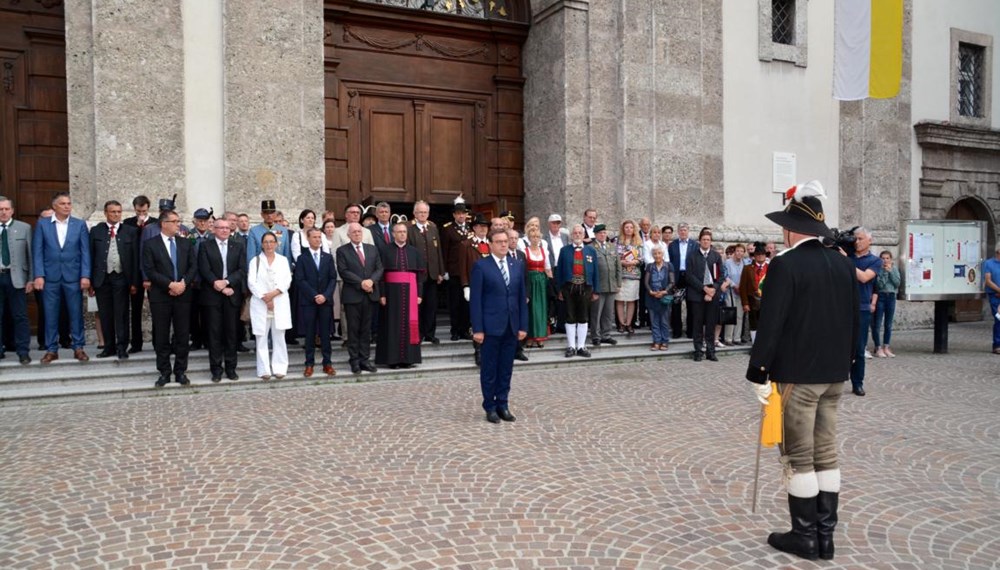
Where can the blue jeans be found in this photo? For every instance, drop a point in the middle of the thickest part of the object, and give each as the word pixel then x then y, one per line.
pixel 659 320
pixel 994 304
pixel 858 368
pixel 886 308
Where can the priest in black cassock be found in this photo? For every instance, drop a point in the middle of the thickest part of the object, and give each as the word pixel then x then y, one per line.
pixel 402 287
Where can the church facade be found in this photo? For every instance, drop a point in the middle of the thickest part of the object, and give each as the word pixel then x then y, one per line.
pixel 671 109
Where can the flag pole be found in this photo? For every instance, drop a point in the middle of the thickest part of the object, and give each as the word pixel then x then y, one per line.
pixel 756 468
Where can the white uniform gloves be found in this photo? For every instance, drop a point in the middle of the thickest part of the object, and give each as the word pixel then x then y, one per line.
pixel 465 291
pixel 762 391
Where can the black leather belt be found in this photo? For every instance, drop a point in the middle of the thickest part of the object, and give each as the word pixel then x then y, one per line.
pixel 4 269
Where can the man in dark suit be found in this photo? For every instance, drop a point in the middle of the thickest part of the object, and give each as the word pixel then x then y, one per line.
pixel 139 221
pixel 222 264
pixel 316 277
pixel 61 257
pixel 15 280
pixel 423 235
pixel 170 265
pixel 381 230
pixel 360 267
pixel 452 235
pixel 114 253
pixel 805 341
pixel 704 276
pixel 498 306
pixel 678 252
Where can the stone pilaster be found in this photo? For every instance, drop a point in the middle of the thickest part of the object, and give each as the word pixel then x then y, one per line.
pixel 875 155
pixel 274 133
pixel 125 77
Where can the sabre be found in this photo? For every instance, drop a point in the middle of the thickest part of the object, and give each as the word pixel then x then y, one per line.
pixel 756 467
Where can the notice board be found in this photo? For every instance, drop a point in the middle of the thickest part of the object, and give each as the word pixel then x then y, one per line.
pixel 941 260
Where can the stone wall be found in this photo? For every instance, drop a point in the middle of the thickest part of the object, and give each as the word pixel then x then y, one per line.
pixel 623 110
pixel 125 79
pixel 274 115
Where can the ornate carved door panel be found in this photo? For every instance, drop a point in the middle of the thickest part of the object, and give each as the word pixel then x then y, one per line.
pixel 423 105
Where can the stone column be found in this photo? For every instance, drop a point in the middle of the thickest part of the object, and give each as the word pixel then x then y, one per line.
pixel 125 76
pixel 274 114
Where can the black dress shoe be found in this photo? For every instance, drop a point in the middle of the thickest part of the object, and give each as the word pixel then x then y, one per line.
pixel 858 391
pixel 465 336
pixel 712 357
pixel 570 352
pixel 609 340
pixel 368 366
pixel 292 342
pixel 697 356
pixel 455 337
pixel 583 352
pixel 492 417
pixel 505 415
pixel 135 349
pixel 105 353
pixel 355 369
pixel 520 355
pixel 122 355
pixel 596 342
pixel 432 339
pixel 216 377
pixel 182 379
pixel 232 375
pixel 25 359
pixel 240 347
pixel 162 381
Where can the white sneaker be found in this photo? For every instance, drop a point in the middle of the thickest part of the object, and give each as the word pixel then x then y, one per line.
pixel 867 354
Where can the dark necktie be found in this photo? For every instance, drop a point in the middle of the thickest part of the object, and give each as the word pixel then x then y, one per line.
pixel 503 271
pixel 4 246
pixel 173 256
pixel 385 233
pixel 361 254
pixel 112 226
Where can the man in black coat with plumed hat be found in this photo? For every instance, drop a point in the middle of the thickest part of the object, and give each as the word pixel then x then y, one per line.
pixel 804 345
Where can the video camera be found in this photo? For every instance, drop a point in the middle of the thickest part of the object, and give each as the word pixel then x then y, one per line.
pixel 842 239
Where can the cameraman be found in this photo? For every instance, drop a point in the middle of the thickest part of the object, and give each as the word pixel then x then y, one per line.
pixel 866 269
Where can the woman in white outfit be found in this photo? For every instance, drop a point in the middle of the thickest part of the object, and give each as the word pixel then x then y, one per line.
pixel 270 310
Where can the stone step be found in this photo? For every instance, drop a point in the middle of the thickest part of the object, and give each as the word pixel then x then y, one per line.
pixel 67 379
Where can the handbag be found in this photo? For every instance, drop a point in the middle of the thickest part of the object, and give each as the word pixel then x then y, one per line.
pixel 727 316
pixel 245 309
pixel 667 300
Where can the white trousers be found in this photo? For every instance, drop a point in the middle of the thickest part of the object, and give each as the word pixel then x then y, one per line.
pixel 275 362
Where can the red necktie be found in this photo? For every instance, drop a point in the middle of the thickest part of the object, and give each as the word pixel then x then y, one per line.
pixel 385 233
pixel 112 232
pixel 361 255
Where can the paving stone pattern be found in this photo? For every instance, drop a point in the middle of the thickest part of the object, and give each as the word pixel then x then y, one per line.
pixel 642 465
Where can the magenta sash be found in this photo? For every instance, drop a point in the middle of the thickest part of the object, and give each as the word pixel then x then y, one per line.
pixel 407 278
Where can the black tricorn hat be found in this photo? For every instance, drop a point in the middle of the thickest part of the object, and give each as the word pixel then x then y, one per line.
pixel 481 221
pixel 804 212
pixel 268 206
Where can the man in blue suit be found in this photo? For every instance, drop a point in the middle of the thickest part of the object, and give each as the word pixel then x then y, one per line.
pixel 60 253
pixel 316 277
pixel 498 307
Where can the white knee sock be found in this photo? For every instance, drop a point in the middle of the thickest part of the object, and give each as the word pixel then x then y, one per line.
pixel 571 335
pixel 753 336
pixel 581 335
pixel 829 480
pixel 803 485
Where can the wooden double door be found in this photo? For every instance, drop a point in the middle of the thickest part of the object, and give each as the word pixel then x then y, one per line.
pixel 34 140
pixel 422 105
pixel 411 148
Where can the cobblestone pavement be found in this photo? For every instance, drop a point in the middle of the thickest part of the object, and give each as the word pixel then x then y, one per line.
pixel 618 466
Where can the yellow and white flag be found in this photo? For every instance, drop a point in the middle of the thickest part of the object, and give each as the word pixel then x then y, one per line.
pixel 868 54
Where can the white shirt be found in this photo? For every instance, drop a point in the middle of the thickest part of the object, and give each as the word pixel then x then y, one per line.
pixel 223 252
pixel 61 229
pixel 315 253
pixel 557 244
pixel 501 261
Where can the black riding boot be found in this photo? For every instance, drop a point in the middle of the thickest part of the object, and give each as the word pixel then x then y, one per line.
pixel 826 522
pixel 801 540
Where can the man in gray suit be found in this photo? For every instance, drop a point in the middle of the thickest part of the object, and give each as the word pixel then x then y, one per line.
pixel 15 277
pixel 609 280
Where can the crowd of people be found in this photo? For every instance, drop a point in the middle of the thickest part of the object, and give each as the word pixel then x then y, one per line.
pixel 375 278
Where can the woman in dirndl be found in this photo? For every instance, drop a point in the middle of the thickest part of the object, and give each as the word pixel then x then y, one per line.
pixel 539 276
